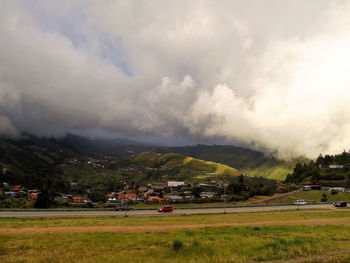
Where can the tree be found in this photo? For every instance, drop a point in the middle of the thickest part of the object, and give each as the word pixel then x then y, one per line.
pixel 197 191
pixel 98 196
pixel 46 196
pixel 241 179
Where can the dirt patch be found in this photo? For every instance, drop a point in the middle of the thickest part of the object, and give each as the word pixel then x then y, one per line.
pixel 144 228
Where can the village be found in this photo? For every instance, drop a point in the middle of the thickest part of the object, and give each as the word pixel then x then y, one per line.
pixel 171 192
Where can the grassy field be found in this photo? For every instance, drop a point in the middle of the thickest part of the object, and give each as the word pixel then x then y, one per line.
pixel 306 236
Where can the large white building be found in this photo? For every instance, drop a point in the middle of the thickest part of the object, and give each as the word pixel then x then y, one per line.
pixel 175 184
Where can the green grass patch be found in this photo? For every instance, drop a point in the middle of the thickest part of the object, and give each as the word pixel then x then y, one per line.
pixel 315 196
pixel 215 244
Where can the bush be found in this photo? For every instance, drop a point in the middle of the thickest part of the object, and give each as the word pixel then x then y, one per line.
pixel 324 197
pixel 234 198
pixel 334 192
pixel 177 245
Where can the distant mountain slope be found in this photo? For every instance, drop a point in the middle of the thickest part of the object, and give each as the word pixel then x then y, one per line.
pixel 245 160
pixel 31 161
pixel 26 165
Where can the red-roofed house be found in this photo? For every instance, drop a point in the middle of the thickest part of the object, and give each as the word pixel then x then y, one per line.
pixel 122 196
pixel 17 188
pixel 77 199
pixel 155 198
pixel 131 197
pixel 33 196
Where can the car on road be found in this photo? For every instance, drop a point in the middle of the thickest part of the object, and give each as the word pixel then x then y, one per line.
pixel 340 204
pixel 166 208
pixel 123 207
pixel 299 202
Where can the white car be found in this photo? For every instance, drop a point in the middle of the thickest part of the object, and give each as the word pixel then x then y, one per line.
pixel 299 202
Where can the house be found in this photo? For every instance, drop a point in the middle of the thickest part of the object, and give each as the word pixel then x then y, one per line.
pixel 175 184
pixel 122 197
pixel 173 197
pixel 77 199
pixel 132 197
pixel 9 193
pixel 143 188
pixel 17 188
pixel 335 166
pixel 111 198
pixel 155 198
pixel 33 196
pixel 158 186
pixel 206 195
pixel 311 187
pixel 306 188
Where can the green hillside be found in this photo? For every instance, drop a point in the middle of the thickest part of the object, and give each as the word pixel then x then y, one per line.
pixel 179 166
pixel 271 169
pixel 250 162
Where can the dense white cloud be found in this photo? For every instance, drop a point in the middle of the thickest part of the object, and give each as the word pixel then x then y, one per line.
pixel 272 74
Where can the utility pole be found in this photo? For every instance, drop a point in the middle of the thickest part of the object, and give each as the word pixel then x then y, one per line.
pixel 224 198
pixel 125 205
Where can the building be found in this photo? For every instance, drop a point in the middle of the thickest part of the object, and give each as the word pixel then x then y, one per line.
pixel 207 195
pixel 17 188
pixel 77 199
pixel 132 197
pixel 33 196
pixel 155 198
pixel 306 188
pixel 335 166
pixel 173 197
pixel 175 184
pixel 143 188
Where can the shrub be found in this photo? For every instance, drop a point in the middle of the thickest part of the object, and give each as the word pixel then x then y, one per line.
pixel 334 192
pixel 324 197
pixel 177 245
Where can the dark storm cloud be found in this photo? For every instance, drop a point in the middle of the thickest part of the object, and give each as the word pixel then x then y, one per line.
pixel 272 73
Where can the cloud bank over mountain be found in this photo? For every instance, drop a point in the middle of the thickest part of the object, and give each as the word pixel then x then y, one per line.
pixel 272 74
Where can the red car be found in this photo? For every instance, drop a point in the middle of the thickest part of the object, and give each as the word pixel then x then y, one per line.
pixel 166 208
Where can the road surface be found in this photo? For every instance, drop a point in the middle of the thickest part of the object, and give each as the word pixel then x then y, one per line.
pixel 191 211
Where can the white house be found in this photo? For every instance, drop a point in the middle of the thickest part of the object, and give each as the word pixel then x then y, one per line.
pixel 175 184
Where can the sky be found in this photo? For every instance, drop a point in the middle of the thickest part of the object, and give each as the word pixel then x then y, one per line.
pixel 269 74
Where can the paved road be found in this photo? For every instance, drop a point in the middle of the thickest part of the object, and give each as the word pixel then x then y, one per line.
pixel 155 213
